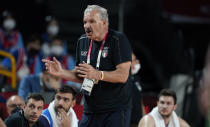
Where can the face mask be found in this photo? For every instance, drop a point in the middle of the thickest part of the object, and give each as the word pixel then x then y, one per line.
pixel 33 52
pixel 46 49
pixel 23 71
pixel 56 50
pixel 53 30
pixel 136 69
pixel 9 24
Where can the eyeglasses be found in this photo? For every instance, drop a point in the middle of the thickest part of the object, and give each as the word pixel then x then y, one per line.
pixel 15 105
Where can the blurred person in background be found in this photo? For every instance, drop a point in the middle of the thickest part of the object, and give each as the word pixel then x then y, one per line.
pixel 14 103
pixel 11 41
pixel 31 63
pixel 52 31
pixel 204 90
pixel 43 83
pixel 68 62
pixel 137 107
pixel 33 48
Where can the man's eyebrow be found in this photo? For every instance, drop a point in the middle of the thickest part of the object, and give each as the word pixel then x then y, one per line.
pixel 66 98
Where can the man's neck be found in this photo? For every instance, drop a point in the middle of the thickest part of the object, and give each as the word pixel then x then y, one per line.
pixel 30 124
pixel 166 120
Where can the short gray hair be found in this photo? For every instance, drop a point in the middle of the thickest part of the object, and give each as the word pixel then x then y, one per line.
pixel 102 11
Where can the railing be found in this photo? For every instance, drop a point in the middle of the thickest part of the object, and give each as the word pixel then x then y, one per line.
pixel 12 73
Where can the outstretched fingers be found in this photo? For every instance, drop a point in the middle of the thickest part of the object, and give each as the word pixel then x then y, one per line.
pixel 56 61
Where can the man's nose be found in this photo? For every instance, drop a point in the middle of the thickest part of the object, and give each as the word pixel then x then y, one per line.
pixel 35 110
pixel 165 105
pixel 61 102
pixel 86 25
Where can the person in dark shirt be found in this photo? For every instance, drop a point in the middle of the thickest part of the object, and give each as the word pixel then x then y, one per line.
pixel 28 117
pixel 103 60
pixel 13 102
pixel 137 101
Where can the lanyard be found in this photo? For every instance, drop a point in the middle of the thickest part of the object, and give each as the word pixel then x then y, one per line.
pixel 99 54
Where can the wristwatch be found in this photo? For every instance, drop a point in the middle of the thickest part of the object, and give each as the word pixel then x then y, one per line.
pixel 95 81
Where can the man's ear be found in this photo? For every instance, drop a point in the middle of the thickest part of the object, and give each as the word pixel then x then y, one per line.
pixel 73 103
pixel 104 21
pixel 175 106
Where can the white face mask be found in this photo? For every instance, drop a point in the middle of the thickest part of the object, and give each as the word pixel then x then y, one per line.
pixel 23 71
pixel 136 69
pixel 56 50
pixel 9 24
pixel 46 49
pixel 53 30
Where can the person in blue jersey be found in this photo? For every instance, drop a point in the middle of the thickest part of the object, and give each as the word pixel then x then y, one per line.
pixel 60 112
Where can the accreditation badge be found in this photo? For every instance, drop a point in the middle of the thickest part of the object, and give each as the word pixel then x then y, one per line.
pixel 87 86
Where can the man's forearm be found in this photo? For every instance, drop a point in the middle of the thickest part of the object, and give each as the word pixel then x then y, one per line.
pixel 115 77
pixel 120 75
pixel 71 76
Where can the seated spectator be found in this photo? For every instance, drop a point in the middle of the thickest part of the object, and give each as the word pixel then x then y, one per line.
pixel 164 115
pixel 60 112
pixel 52 31
pixel 14 102
pixel 29 116
pixel 42 82
pixel 67 60
pixel 32 62
pixel 137 105
pixel 11 41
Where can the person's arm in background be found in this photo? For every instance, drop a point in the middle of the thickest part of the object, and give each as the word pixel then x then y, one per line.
pixel 183 123
pixel 2 124
pixel 24 87
pixel 147 121
pixel 20 41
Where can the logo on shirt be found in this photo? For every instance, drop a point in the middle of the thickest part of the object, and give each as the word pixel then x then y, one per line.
pixel 83 53
pixel 105 52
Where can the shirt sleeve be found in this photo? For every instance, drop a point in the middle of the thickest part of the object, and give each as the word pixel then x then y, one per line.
pixel 77 53
pixel 44 121
pixel 23 89
pixel 12 121
pixel 122 50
